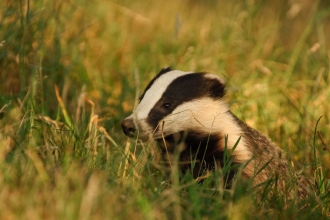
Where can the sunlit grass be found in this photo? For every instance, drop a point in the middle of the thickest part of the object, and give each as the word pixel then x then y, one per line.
pixel 71 71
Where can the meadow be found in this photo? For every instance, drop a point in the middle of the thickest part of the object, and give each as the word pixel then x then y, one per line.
pixel 71 71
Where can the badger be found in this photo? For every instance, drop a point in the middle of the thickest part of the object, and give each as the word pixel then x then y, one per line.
pixel 187 110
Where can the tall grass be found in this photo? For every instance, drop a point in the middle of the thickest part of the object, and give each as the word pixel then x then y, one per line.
pixel 70 73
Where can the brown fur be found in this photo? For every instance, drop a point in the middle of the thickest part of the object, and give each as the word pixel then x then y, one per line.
pixel 265 151
pixel 199 123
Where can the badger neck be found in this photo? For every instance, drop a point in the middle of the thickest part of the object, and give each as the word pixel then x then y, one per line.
pixel 205 124
pixel 200 151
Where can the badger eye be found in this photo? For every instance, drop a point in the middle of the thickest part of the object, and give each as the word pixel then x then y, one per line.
pixel 167 105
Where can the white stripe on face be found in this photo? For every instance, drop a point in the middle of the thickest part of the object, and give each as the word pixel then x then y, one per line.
pixel 207 116
pixel 154 93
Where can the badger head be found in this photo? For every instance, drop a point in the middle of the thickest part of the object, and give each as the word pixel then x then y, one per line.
pixel 176 101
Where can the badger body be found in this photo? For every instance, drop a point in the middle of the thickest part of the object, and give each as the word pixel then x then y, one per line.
pixel 187 109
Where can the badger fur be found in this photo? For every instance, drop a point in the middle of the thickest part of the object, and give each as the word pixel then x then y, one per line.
pixel 185 107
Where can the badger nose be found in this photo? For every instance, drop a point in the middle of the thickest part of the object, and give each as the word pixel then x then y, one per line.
pixel 128 127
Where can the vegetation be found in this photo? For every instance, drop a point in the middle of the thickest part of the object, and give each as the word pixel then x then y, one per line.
pixel 71 71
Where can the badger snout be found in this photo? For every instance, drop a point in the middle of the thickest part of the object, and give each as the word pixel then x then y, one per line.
pixel 128 127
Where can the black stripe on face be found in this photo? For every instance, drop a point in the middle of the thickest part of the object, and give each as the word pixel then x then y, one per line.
pixel 184 89
pixel 162 71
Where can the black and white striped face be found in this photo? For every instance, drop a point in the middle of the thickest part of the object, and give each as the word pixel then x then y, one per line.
pixel 176 101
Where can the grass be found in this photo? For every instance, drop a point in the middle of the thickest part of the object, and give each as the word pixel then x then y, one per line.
pixel 71 71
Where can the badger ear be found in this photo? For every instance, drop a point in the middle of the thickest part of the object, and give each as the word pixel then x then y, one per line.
pixel 216 87
pixel 214 76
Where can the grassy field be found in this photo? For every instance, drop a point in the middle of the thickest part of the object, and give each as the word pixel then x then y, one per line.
pixel 71 72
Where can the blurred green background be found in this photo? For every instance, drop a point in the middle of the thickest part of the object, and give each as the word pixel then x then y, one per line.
pixel 100 54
